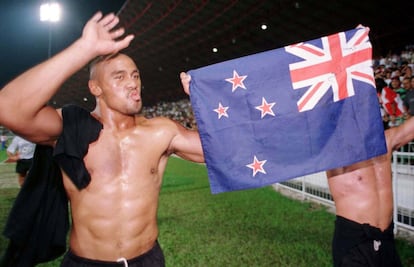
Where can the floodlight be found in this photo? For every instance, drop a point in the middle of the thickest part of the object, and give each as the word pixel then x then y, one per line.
pixel 50 11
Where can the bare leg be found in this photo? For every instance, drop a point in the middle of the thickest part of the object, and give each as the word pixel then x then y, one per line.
pixel 20 179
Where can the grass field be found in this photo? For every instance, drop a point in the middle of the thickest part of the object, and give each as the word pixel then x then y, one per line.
pixel 256 227
pixel 3 155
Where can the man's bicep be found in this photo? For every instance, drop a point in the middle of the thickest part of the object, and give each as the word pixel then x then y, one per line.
pixel 401 135
pixel 44 128
pixel 187 144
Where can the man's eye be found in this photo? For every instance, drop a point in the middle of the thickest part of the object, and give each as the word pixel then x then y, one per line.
pixel 118 77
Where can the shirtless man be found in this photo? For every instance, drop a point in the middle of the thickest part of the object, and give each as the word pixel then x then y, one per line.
pixel 114 219
pixel 363 198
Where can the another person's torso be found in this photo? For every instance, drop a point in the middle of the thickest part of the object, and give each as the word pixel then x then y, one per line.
pixel 363 191
pixel 23 148
pixel 26 149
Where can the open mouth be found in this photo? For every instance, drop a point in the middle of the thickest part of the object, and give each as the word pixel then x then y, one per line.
pixel 134 95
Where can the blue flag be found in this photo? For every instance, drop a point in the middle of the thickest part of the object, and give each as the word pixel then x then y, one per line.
pixel 288 112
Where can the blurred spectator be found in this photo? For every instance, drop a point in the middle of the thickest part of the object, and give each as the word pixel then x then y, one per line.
pixel 406 71
pixel 409 97
pixel 3 140
pixel 412 82
pixel 396 86
pixel 392 105
pixel 380 85
pixel 388 76
pixel 21 151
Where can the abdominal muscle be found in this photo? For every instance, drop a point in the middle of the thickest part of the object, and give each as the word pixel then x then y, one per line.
pixel 109 222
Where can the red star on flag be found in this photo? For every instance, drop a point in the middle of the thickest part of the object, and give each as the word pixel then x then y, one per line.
pixel 266 108
pixel 221 111
pixel 237 81
pixel 257 166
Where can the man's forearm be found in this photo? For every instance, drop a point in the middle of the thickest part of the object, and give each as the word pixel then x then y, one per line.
pixel 23 100
pixel 30 91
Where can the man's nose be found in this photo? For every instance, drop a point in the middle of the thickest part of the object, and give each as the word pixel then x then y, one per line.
pixel 132 83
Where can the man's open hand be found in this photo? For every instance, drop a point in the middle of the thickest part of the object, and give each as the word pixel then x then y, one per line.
pixel 101 35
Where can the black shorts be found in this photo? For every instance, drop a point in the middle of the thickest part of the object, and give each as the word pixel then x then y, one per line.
pixel 23 166
pixel 153 258
pixel 356 244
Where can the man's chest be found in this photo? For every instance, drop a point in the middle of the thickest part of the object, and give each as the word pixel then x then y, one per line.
pixel 116 155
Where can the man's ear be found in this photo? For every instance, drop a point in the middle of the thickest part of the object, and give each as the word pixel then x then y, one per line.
pixel 94 88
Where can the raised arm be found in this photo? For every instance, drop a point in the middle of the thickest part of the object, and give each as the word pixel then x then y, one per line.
pixel 401 135
pixel 23 101
pixel 186 143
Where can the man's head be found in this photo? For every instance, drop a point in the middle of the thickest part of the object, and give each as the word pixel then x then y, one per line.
pixel 380 84
pixel 406 84
pixel 395 82
pixel 115 82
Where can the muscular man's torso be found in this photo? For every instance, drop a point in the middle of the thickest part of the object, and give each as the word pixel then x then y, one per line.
pixel 116 214
pixel 363 191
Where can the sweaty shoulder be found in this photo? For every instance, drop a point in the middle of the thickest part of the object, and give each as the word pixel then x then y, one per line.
pixel 158 122
pixel 162 131
pixel 160 126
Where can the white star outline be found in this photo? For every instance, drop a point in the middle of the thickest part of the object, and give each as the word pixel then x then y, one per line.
pixel 237 81
pixel 266 108
pixel 221 111
pixel 257 166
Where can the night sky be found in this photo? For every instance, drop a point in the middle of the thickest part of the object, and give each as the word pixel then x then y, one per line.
pixel 25 39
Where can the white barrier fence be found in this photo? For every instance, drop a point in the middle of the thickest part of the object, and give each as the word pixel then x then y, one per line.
pixel 315 187
pixel 403 186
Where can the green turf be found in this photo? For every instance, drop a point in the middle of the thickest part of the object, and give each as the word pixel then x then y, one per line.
pixel 256 227
pixel 3 155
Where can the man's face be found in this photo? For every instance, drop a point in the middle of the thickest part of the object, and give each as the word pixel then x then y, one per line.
pixel 120 82
pixel 406 84
pixel 395 83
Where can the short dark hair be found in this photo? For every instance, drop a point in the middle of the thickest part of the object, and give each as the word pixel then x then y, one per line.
pixel 98 60
pixel 380 84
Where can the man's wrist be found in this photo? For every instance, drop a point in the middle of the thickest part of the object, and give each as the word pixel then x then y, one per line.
pixel 86 48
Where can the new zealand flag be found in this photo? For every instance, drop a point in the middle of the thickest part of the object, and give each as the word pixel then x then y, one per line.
pixel 288 112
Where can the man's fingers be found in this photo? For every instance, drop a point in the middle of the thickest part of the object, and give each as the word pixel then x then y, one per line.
pixel 109 21
pixel 185 77
pixel 127 40
pixel 105 37
pixel 185 81
pixel 118 33
pixel 112 23
pixel 124 43
pixel 97 16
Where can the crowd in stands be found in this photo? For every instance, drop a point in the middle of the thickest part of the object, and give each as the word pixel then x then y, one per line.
pixel 180 111
pixel 395 86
